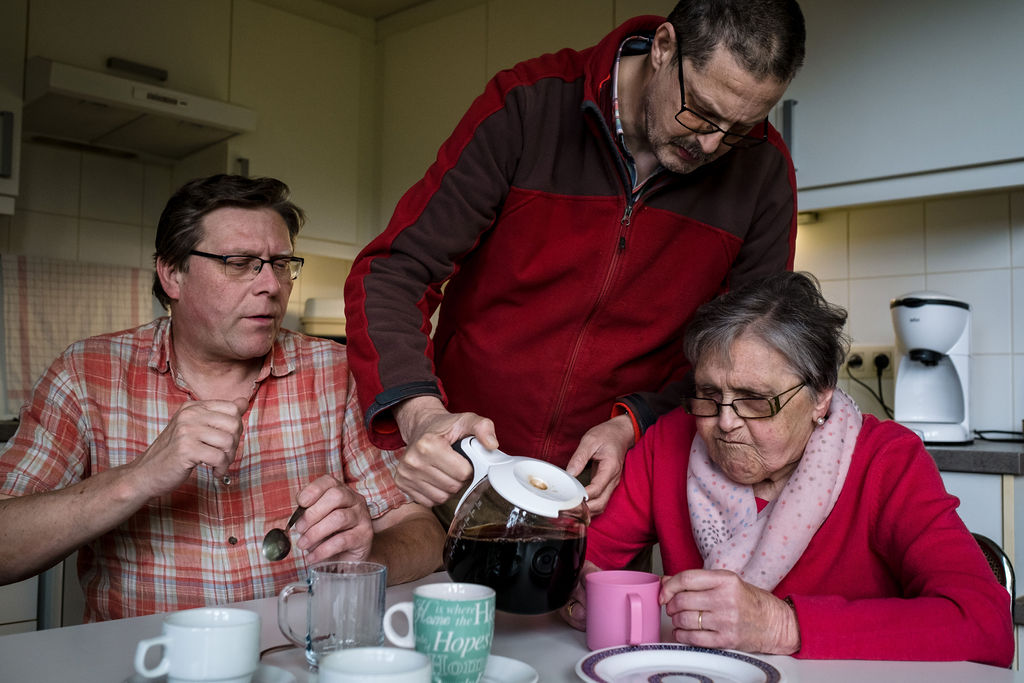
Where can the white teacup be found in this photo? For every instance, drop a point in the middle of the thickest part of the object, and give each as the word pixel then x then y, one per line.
pixel 206 644
pixel 375 665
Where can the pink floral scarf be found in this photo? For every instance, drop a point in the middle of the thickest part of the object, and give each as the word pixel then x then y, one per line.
pixel 762 547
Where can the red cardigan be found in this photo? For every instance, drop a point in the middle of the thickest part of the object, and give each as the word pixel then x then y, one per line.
pixel 892 573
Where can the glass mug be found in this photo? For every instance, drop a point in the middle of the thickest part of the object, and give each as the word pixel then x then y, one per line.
pixel 344 607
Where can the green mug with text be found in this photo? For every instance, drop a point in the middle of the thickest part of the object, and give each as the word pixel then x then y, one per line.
pixel 453 624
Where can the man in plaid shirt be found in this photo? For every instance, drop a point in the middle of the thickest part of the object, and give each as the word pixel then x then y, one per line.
pixel 164 453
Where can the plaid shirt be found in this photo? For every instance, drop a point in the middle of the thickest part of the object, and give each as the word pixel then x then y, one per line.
pixel 106 398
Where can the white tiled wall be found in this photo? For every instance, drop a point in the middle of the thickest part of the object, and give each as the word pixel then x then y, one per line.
pixel 84 206
pixel 87 207
pixel 967 246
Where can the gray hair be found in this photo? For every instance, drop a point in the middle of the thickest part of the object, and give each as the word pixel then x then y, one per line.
pixel 788 313
pixel 766 36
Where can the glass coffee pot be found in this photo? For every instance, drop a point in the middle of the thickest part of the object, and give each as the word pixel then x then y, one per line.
pixel 520 528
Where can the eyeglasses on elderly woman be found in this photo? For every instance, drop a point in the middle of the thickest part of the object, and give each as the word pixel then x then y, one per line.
pixel 747 408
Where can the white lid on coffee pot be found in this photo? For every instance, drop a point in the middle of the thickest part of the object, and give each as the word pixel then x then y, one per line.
pixel 527 483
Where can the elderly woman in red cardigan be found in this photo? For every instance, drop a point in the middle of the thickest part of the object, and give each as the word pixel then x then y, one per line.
pixel 788 522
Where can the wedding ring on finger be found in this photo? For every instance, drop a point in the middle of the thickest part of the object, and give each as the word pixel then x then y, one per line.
pixel 700 620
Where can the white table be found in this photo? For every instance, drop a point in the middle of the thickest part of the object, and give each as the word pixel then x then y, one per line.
pixel 103 652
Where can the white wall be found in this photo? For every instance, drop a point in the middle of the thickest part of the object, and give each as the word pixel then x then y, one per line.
pixel 435 59
pixel 83 206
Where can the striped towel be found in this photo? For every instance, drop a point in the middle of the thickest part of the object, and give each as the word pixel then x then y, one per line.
pixel 48 304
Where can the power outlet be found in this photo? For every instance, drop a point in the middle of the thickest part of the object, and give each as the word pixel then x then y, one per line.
pixel 860 362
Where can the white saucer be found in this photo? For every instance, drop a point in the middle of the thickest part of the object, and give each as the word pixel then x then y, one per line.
pixel 264 674
pixel 507 670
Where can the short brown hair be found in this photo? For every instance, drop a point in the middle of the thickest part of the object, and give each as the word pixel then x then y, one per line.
pixel 181 223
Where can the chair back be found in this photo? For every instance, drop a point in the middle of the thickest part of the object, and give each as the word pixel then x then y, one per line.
pixel 999 563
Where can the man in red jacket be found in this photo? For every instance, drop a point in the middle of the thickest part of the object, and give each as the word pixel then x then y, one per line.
pixel 587 203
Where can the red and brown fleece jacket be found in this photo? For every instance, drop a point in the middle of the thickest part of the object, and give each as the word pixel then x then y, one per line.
pixel 567 292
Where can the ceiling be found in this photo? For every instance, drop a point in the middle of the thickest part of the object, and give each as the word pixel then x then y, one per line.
pixel 375 9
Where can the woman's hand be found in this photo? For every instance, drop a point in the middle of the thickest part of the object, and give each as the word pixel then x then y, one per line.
pixel 716 608
pixel 575 611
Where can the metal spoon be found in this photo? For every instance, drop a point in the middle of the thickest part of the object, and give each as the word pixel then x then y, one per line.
pixel 276 544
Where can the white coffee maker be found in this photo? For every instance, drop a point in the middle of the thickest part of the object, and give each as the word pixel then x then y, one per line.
pixel 933 347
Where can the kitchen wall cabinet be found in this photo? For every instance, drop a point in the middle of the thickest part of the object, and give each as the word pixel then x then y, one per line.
pixel 993 505
pixel 306 69
pixel 981 501
pixel 12 50
pixel 311 83
pixel 913 98
pixel 457 68
pixel 421 100
pixel 188 38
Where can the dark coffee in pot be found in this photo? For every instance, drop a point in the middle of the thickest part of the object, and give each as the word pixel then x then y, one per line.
pixel 529 575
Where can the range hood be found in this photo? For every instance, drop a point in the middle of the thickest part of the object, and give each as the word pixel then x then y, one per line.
pixel 71 104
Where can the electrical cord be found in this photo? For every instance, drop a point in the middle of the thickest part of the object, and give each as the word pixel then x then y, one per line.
pixel 881 363
pixel 980 433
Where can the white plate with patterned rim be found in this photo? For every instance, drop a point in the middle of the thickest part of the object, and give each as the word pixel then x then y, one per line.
pixel 665 662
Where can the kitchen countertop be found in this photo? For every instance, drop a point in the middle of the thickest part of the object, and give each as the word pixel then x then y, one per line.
pixel 980 457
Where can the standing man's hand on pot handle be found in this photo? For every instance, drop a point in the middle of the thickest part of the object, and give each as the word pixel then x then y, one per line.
pixel 431 471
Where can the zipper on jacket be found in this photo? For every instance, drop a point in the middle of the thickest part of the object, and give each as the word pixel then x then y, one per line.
pixel 591 110
pixel 620 246
pixel 606 285
pixel 632 197
pixel 627 219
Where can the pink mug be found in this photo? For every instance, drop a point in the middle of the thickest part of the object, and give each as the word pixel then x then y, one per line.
pixel 622 608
